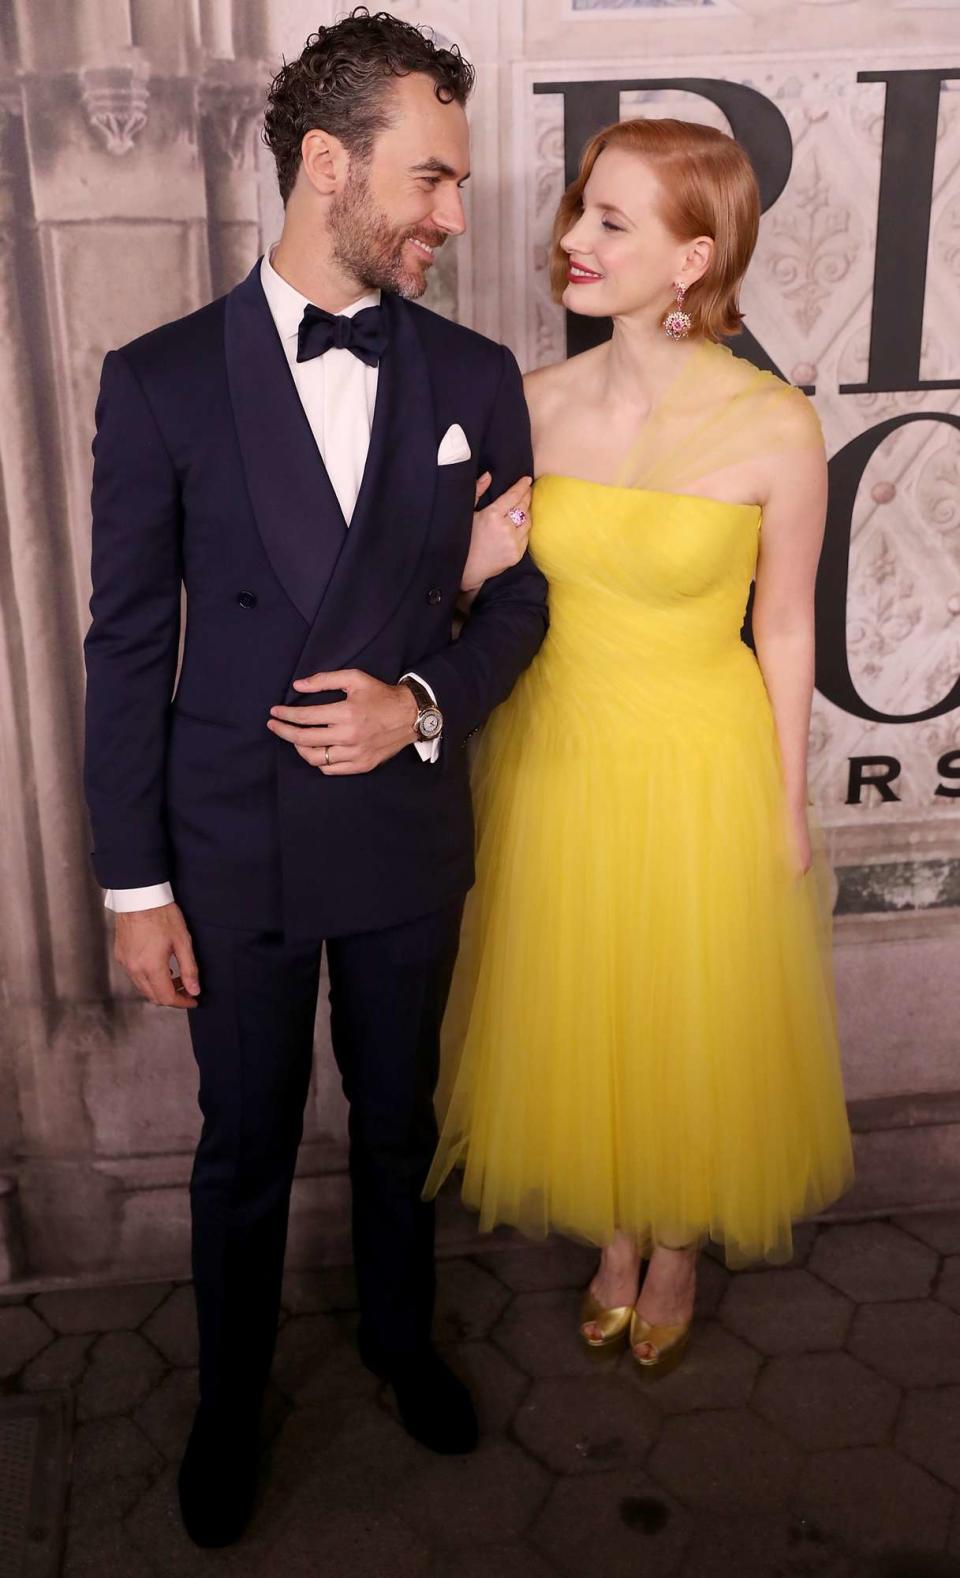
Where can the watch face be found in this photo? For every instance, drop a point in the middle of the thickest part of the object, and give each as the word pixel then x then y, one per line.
pixel 431 723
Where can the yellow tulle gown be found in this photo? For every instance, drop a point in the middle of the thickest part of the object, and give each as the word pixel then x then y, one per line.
pixel 641 1033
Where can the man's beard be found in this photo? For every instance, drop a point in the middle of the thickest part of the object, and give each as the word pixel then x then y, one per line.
pixel 368 247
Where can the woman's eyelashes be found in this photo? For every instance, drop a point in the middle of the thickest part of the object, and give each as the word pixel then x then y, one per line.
pixel 608 224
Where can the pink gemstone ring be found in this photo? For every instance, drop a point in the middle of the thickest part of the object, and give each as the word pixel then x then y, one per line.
pixel 517 515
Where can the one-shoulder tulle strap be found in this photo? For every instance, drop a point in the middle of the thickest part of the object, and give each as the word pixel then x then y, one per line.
pixel 718 412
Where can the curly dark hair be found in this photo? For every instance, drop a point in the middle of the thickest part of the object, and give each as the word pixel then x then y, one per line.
pixel 338 83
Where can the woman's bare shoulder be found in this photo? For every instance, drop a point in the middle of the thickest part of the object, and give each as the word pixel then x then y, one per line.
pixel 546 385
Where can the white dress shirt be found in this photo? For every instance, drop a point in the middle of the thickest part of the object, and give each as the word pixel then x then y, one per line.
pixel 338 393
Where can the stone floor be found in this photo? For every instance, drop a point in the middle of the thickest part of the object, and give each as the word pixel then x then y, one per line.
pixel 813 1430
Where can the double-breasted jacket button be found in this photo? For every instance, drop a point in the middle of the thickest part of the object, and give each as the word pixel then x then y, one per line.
pixel 247 599
pixel 434 596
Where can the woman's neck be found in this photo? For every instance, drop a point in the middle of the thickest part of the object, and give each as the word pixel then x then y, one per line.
pixel 642 362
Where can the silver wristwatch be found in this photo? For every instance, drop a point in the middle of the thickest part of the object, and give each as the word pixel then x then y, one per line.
pixel 429 717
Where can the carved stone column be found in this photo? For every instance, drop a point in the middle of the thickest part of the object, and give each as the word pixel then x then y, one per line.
pixel 102 236
pixel 57 952
pixel 230 102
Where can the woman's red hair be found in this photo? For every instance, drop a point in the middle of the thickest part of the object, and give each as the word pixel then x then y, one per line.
pixel 708 188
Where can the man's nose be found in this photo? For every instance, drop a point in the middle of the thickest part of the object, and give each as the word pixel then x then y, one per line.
pixel 449 215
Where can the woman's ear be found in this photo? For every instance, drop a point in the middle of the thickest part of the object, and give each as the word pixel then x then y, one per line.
pixel 696 260
pixel 325 162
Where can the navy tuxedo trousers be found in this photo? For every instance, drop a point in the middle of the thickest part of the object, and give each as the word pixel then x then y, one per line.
pixel 253 1041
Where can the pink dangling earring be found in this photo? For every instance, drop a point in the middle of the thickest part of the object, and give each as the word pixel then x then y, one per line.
pixel 678 323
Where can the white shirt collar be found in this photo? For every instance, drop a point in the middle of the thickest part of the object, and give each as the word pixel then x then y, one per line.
pixel 286 304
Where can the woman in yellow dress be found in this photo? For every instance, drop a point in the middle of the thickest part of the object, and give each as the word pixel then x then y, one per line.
pixel 641 1048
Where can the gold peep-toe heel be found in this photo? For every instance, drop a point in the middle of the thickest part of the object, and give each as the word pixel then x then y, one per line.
pixel 669 1344
pixel 613 1323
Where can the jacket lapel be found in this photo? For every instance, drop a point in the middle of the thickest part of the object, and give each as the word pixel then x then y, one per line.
pixel 298 516
pixel 389 528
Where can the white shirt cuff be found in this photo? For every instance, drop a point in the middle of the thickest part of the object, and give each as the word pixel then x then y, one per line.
pixel 123 900
pixel 427 750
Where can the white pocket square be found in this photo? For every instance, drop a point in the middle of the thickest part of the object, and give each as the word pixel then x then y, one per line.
pixel 453 446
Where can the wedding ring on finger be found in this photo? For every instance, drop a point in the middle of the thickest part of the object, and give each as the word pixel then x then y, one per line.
pixel 326 756
pixel 517 515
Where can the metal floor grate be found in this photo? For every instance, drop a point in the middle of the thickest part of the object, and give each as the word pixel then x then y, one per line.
pixel 33 1437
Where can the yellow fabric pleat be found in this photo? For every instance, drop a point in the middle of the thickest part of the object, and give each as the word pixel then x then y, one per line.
pixel 641 1033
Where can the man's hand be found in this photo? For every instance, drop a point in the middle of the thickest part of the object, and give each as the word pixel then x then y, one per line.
pixel 144 943
pixel 344 737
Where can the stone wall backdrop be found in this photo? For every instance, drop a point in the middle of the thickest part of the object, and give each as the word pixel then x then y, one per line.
pixel 133 188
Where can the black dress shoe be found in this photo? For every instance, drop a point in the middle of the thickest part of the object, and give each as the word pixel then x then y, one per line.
pixel 217 1482
pixel 435 1407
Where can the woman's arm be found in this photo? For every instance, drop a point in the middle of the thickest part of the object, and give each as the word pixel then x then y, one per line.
pixel 496 542
pixel 783 613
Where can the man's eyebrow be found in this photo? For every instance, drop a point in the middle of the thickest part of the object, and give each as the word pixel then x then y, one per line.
pixel 438 167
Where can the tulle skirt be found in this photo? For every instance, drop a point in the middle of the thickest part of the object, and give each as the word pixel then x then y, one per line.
pixel 641 1033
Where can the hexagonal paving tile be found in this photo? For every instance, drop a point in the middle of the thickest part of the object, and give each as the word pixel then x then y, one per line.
pixel 316 1359
pixel 939 1229
pixel 496 1385
pixel 577 1423
pixel 22 1336
pixel 113 1465
pixel 948 1288
pixel 494 1561
pixel 713 1280
pixel 764 1544
pixel 173 1327
pixel 296 1535
pixel 929 1432
pixel 331 1290
pixel 872 1261
pixel 85 1310
pixel 539 1332
pixel 490 1496
pixel 101 1550
pixel 347 1452
pixel 953 1545
pixel 614 1525
pixel 58 1367
pixel 786 1312
pixel 469 1301
pixel 724 1461
pixel 121 1372
pixel 914 1344
pixel 874 1500
pixel 166 1416
pixel 826 1400
pixel 718 1371
pixel 532 1267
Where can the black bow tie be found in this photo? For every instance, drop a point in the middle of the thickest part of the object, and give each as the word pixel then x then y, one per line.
pixel 365 334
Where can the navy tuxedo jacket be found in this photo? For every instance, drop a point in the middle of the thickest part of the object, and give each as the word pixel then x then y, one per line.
pixel 207 480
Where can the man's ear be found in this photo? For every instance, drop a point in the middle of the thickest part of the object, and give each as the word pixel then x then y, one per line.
pixel 325 162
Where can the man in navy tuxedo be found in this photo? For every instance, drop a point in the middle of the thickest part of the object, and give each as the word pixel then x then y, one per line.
pixel 302 456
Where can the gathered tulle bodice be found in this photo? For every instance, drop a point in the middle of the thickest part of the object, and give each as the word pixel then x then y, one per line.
pixel 647 597
pixel 649 575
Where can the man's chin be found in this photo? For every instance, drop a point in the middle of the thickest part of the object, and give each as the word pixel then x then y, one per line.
pixel 411 286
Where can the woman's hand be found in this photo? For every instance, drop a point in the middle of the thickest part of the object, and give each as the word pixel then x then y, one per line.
pixel 497 542
pixel 800 840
